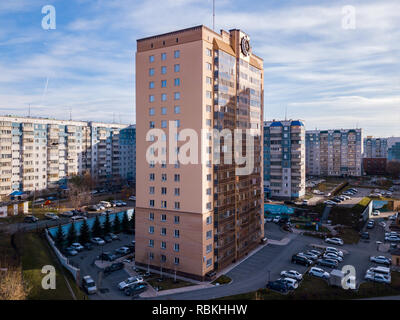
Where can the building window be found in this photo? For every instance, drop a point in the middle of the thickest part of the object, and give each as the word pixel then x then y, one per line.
pixel 177 192
pixel 177 123
pixel 163 204
pixel 176 247
pixel 177 109
pixel 208 205
pixel 208 94
pixel 208 52
pixel 151 203
pixel 151 98
pixel 163 258
pixel 208 108
pixel 163 217
pixel 163 231
pixel 209 66
pixel 209 220
pixel 177 95
pixel 163 83
pixel 209 235
pixel 152 176
pixel 209 262
pixel 208 80
pixel 151 59
pixel 151 112
pixel 163 70
pixel 208 191
pixel 163 177
pixel 177 205
pixel 176 219
pixel 163 123
pixel 151 216
pixel 209 248
pixel 151 255
pixel 151 190
pixel 163 97
pixel 163 56
pixel 177 178
pixel 163 190
pixel 209 177
pixel 151 72
pixel 151 85
pixel 163 245
pixel 151 229
pixel 177 82
pixel 176 260
pixel 151 124
pixel 177 53
pixel 208 122
pixel 176 233
pixel 151 243
pixel 177 67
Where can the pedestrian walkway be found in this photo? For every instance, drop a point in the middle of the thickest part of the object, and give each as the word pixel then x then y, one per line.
pixel 152 293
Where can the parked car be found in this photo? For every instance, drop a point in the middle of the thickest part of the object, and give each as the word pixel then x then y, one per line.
pixel 376 213
pixel 88 246
pixel 77 218
pixel 105 204
pixel 392 238
pixel 291 283
pixel 331 255
pixel 51 216
pixel 318 272
pixel 123 250
pixel 376 277
pixel 129 282
pixel 308 255
pixel 113 236
pixel 93 208
pixel 304 202
pixel 334 250
pixel 328 263
pixel 370 224
pixel 276 219
pixel 107 238
pixel 77 246
pixel 107 256
pixel 114 267
pixel 89 285
pixel 277 286
pixel 381 270
pixel 132 198
pixel 301 260
pixel 268 219
pixel 67 214
pixel 381 260
pixel 71 251
pixel 292 274
pixel 392 233
pixel 30 219
pixel 393 217
pixel 316 252
pixel 98 241
pixel 336 241
pixel 364 235
pixel 136 289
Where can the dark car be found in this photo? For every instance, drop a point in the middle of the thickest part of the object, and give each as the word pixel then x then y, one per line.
pixel 211 275
pixel 289 202
pixel 301 260
pixel 131 248
pixel 278 286
pixel 114 267
pixel 30 219
pixel 107 238
pixel 365 235
pixel 328 263
pixel 107 256
pixel 88 246
pixel 370 225
pixel 137 289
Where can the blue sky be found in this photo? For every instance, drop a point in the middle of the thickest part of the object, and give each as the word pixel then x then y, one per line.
pixel 329 76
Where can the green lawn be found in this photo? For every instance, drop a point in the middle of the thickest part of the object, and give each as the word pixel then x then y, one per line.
pixel 35 253
pixel 317 289
pixel 224 279
pixel 168 283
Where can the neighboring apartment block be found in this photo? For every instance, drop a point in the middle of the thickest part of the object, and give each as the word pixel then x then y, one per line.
pixel 393 144
pixel 284 159
pixel 38 154
pixel 334 152
pixel 197 217
pixel 375 155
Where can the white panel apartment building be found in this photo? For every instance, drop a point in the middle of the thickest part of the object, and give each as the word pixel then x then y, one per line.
pixel 37 154
pixel 334 152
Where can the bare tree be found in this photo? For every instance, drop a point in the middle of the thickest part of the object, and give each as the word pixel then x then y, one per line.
pixel 393 169
pixel 12 285
pixel 79 187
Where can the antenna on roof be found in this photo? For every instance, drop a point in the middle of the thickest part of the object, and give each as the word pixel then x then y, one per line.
pixel 285 112
pixel 213 15
pixel 70 114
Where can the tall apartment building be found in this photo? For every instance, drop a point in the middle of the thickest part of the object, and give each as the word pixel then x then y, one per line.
pixel 393 149
pixel 375 155
pixel 284 159
pixel 38 154
pixel 334 152
pixel 195 218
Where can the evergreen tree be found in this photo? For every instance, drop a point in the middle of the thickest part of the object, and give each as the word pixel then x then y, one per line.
pixel 59 238
pixel 97 230
pixel 132 222
pixel 117 224
pixel 84 236
pixel 107 225
pixel 125 223
pixel 71 236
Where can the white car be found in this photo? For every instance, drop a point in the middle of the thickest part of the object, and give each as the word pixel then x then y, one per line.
pixel 132 198
pixel 77 246
pixel 291 283
pixel 376 277
pixel 268 219
pixel 129 282
pixel 122 250
pixel 392 233
pixel 376 213
pixel 346 197
pixel 98 241
pixel 318 272
pixel 331 255
pixel 105 204
pixel 381 270
pixel 89 285
pixel 334 250
pixel 51 216
pixel 392 238
pixel 292 274
pixel 276 219
pixel 336 241
pixel 315 252
pixel 380 260
pixel 78 218
pixel 67 214
pixel 308 255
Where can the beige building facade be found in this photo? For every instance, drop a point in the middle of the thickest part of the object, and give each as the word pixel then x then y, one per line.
pixel 197 217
